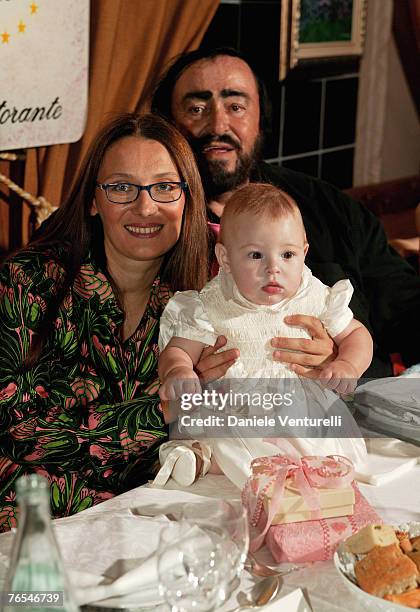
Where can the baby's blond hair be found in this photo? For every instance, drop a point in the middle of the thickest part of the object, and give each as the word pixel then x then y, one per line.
pixel 260 200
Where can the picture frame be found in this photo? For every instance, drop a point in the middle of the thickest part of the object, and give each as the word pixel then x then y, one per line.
pixel 313 30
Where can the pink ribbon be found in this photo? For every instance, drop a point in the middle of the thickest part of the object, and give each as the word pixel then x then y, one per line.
pixel 307 474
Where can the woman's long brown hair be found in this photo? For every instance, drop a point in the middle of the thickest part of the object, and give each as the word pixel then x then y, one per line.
pixel 185 266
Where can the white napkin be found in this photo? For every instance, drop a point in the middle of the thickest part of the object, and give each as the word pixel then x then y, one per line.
pixel 378 470
pixel 292 602
pixel 99 548
pixel 387 460
pixel 140 582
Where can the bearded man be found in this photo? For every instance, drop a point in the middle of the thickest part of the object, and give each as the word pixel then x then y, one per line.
pixel 218 102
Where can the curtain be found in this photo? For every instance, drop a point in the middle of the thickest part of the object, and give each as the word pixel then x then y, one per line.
pixel 373 87
pixel 388 130
pixel 131 43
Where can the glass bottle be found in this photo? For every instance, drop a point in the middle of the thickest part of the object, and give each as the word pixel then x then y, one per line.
pixel 36 567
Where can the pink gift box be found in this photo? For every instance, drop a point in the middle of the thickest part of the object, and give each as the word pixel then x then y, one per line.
pixel 317 540
pixel 310 477
pixel 293 508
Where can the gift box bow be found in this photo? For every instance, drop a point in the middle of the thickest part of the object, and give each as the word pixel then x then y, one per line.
pixel 307 474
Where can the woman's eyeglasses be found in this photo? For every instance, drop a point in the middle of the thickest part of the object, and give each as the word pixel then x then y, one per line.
pixel 125 193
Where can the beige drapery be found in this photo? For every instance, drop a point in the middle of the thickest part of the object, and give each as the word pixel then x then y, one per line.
pixel 131 43
pixel 373 87
pixel 388 130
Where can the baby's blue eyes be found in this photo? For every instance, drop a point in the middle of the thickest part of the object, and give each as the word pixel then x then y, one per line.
pixel 258 255
pixel 288 255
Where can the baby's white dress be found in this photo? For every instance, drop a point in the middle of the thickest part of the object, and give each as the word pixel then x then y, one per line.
pixel 220 309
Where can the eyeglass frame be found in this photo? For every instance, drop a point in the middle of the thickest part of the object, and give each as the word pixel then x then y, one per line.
pixel 140 188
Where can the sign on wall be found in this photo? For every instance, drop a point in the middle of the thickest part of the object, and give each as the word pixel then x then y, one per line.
pixel 44 53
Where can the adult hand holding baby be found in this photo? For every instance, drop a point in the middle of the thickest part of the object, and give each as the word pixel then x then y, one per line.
pixel 305 356
pixel 342 372
pixel 214 365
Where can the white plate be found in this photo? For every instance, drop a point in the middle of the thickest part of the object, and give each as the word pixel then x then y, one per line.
pixel 344 565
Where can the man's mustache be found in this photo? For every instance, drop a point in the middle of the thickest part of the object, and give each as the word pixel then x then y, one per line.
pixel 199 144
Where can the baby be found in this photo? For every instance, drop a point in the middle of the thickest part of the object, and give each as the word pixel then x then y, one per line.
pixel 261 253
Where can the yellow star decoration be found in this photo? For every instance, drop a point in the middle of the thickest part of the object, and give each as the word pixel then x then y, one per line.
pixel 5 36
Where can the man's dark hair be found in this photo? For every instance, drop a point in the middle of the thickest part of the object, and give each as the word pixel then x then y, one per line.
pixel 162 95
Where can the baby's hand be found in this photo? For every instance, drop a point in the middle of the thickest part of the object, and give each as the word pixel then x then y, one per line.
pixel 180 380
pixel 339 375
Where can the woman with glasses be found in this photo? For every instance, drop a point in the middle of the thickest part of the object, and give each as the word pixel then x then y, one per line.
pixel 79 318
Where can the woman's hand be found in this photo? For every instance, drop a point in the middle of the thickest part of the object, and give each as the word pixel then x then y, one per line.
pixel 311 354
pixel 213 365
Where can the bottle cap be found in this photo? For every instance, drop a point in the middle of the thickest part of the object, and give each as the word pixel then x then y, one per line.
pixel 32 485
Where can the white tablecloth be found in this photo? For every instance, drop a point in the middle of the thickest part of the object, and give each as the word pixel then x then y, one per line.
pixel 396 502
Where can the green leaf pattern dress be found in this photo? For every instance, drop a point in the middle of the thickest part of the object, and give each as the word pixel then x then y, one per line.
pixel 87 416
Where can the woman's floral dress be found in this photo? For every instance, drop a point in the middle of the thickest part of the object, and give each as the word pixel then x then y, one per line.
pixel 87 416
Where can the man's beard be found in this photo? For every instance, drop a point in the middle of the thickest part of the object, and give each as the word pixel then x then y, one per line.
pixel 216 179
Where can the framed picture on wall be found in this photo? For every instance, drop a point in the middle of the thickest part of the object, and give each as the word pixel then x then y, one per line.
pixel 320 29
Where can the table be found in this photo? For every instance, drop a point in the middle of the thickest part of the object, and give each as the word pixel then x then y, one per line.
pixel 396 502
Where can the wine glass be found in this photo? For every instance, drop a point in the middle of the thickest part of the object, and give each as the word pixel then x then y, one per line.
pixel 225 522
pixel 191 568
